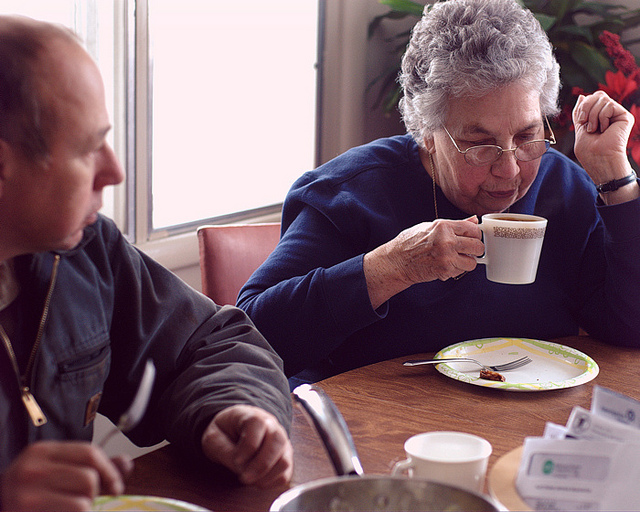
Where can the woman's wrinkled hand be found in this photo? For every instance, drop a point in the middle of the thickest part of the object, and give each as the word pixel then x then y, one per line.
pixel 251 443
pixel 602 129
pixel 441 249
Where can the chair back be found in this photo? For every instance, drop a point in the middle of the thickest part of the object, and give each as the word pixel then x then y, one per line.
pixel 230 253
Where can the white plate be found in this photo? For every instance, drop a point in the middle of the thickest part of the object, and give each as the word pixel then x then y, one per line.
pixel 130 502
pixel 554 366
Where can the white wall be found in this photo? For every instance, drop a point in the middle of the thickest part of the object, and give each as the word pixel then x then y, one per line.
pixel 351 62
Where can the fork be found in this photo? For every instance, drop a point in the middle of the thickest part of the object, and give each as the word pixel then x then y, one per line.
pixel 511 365
pixel 132 416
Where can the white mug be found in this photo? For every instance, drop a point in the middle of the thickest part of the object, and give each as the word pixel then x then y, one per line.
pixel 453 458
pixel 513 242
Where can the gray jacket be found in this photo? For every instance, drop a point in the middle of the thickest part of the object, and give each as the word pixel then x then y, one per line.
pixel 111 308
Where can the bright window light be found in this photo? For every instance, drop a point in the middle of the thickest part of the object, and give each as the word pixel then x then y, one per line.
pixel 234 88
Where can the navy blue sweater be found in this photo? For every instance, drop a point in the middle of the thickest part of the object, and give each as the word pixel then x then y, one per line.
pixel 310 298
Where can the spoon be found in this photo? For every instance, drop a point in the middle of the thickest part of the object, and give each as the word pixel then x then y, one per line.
pixel 132 416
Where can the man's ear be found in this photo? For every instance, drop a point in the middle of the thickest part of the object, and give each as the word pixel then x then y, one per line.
pixel 3 163
pixel 7 160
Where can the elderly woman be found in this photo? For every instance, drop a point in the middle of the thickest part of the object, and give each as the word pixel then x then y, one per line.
pixel 377 256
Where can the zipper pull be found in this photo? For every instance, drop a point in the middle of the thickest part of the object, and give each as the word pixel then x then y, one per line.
pixel 35 413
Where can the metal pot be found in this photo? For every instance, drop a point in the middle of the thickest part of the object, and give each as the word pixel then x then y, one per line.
pixel 352 490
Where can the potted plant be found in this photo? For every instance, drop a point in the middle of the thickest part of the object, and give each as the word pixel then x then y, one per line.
pixel 574 27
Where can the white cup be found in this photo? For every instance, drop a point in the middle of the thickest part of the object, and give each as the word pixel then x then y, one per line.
pixel 452 458
pixel 512 242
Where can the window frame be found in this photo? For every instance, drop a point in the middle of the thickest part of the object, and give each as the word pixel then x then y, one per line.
pixel 175 243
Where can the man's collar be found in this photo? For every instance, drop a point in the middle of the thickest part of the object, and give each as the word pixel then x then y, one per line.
pixel 9 286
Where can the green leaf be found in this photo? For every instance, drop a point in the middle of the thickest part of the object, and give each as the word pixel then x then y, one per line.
pixel 632 19
pixel 614 26
pixel 545 21
pixel 575 32
pixel 399 9
pixel 373 25
pixel 631 42
pixel 389 75
pixel 406 6
pixel 389 89
pixel 573 75
pixel 375 22
pixel 591 60
pixel 600 9
pixel 559 7
pixel 392 99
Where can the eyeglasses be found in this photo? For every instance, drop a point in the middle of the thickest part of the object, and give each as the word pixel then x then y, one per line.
pixel 486 154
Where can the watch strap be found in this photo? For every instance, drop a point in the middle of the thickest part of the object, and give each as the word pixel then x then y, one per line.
pixel 613 185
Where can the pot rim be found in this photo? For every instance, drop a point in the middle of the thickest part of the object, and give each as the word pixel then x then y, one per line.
pixel 292 493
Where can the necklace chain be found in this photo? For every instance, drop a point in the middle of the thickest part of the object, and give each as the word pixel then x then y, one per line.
pixel 435 199
pixel 433 179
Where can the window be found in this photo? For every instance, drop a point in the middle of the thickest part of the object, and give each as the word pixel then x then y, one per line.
pixel 232 88
pixel 213 103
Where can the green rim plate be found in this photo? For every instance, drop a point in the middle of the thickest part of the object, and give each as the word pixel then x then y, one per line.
pixel 554 366
pixel 153 503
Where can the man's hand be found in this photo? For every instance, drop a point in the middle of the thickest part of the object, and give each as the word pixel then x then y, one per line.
pixel 251 443
pixel 61 475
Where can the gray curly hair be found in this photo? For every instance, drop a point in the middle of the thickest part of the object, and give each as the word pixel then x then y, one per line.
pixel 463 48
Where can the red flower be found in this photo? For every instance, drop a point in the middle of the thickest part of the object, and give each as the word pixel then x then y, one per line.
pixel 619 87
pixel 623 59
pixel 577 91
pixel 563 119
pixel 634 138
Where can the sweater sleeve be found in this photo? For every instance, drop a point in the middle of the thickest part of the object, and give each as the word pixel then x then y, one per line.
pixel 311 294
pixel 611 312
pixel 208 357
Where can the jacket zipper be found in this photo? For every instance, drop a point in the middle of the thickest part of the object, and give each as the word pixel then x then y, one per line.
pixel 31 405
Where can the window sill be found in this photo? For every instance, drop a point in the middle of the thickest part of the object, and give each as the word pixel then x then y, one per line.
pixel 181 254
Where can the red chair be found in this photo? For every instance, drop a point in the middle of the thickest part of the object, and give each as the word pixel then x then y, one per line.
pixel 230 253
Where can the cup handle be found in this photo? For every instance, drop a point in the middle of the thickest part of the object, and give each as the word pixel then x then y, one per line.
pixel 482 259
pixel 404 467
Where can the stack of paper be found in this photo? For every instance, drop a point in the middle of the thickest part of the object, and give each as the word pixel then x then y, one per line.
pixel 591 463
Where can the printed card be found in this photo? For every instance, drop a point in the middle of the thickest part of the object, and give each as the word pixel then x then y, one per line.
pixel 615 406
pixel 579 475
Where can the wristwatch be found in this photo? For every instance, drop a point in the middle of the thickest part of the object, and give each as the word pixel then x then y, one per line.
pixel 613 185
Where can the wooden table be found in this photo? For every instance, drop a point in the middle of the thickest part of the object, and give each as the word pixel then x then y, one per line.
pixel 384 404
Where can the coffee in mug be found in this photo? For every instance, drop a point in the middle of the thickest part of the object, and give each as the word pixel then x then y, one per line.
pixel 513 242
